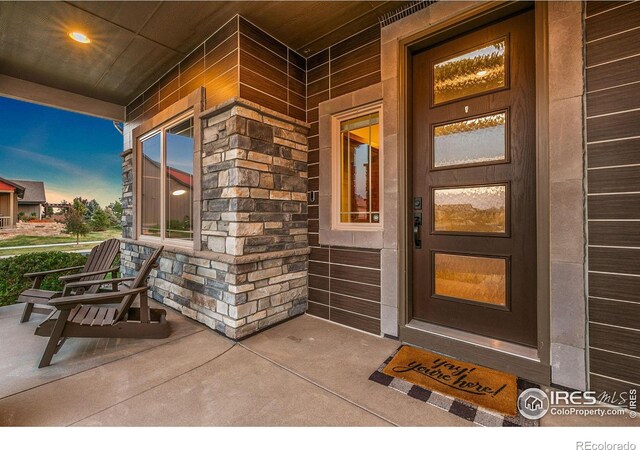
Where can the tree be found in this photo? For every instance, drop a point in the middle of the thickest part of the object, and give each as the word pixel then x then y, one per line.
pixel 100 220
pixel 114 210
pixel 91 207
pixel 74 220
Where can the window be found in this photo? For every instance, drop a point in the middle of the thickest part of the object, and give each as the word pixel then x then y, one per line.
pixel 473 209
pixel 357 170
pixel 482 69
pixel 476 141
pixel 166 187
pixel 471 278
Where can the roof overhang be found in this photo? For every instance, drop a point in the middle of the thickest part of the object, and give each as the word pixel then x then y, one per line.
pixel 19 189
pixel 136 42
pixel 48 96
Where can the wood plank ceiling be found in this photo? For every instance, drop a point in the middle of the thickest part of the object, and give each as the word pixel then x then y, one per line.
pixel 134 43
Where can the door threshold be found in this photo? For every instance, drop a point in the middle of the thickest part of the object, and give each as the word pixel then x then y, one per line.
pixel 475 339
pixel 520 360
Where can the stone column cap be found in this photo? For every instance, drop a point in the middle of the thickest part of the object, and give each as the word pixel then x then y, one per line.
pixel 220 257
pixel 238 101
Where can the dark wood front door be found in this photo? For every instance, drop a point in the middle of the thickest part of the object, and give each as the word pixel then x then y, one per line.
pixel 474 182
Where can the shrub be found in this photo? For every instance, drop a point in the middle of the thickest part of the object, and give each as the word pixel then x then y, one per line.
pixel 13 282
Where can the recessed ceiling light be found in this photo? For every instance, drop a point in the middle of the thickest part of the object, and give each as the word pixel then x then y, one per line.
pixel 79 37
pixel 179 192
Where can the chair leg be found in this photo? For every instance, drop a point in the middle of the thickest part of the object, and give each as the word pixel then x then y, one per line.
pixel 145 316
pixel 26 314
pixel 60 344
pixel 54 345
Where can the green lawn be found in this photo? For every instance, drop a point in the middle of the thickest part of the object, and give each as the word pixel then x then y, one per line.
pixel 61 248
pixel 41 240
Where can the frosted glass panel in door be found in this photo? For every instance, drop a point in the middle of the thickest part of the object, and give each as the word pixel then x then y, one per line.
pixel 472 141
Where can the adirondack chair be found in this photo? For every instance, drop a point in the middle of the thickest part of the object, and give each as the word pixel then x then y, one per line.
pixel 105 314
pixel 98 265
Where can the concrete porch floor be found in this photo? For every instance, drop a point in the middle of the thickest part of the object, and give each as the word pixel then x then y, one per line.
pixel 305 372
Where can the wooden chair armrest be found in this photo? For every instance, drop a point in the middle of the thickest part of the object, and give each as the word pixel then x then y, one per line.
pixel 76 276
pixel 88 283
pixel 49 272
pixel 63 303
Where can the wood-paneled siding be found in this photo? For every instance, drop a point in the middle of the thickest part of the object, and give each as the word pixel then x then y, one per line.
pixel 239 59
pixel 271 74
pixel 344 286
pixel 613 180
pixel 214 64
pixel 344 283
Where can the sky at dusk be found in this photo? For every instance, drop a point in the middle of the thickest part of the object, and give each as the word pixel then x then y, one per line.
pixel 74 154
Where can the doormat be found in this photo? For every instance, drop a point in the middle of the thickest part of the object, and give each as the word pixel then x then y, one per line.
pixel 484 396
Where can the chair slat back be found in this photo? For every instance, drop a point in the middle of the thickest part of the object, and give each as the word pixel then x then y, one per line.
pixel 100 258
pixel 139 281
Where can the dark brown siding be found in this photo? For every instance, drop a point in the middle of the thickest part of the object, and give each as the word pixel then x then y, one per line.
pixel 271 74
pixel 345 67
pixel 351 276
pixel 238 59
pixel 613 186
pixel 214 65
pixel 344 286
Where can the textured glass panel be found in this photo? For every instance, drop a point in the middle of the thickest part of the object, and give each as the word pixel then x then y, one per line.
pixel 179 181
pixel 478 140
pixel 479 70
pixel 360 169
pixel 151 171
pixel 473 278
pixel 471 209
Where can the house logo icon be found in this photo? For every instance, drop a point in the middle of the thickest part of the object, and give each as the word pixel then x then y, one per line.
pixel 533 403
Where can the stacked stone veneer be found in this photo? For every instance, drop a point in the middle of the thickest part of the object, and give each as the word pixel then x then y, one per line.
pixel 251 271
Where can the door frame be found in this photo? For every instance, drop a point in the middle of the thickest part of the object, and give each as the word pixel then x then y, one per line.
pixel 532 364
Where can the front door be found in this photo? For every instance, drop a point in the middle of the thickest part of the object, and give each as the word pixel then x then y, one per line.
pixel 474 182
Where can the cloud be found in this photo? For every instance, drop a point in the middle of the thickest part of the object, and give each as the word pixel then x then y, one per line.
pixel 64 180
pixel 50 161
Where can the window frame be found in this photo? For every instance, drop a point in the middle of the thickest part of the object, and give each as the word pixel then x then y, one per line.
pixel 161 130
pixel 336 158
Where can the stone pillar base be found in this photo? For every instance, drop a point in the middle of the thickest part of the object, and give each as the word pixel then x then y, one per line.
pixel 252 269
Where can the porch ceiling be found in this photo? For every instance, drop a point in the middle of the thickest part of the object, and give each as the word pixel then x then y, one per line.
pixel 134 43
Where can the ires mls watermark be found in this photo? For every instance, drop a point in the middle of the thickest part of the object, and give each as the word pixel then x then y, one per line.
pixel 535 403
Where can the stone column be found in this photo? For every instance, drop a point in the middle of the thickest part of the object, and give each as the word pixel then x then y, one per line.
pixel 127 195
pixel 254 211
pixel 250 269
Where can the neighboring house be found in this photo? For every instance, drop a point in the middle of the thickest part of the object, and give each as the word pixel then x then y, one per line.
pixel 33 200
pixel 10 194
pixel 463 176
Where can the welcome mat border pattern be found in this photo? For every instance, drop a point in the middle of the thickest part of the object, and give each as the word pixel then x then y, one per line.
pixel 465 410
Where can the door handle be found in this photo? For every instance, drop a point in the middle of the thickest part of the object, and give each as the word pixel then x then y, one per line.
pixel 417 221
